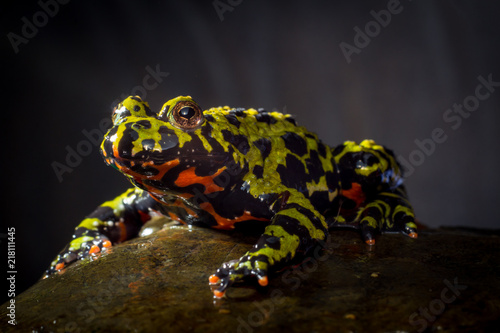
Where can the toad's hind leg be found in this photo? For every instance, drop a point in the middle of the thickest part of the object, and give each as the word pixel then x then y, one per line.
pixel 388 212
pixel 372 198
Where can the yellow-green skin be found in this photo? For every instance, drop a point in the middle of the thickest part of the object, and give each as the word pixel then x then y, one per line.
pixel 226 167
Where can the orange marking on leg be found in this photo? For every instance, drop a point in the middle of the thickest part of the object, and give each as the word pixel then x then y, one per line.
pixel 413 235
pixel 225 223
pixel 155 194
pixel 59 266
pixel 144 216
pixel 355 193
pixel 175 217
pixel 180 203
pixel 189 177
pixel 123 232
pixel 106 244
pixel 218 294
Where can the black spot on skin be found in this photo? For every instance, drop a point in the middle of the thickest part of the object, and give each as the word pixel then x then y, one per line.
pixel 142 124
pixel 295 143
pixel 193 188
pixel 237 140
pixel 338 150
pixel 315 221
pixel 125 145
pixel 148 144
pixel 231 118
pixel 243 146
pixel 205 164
pixel 264 145
pixel 156 184
pixel 137 108
pixel 258 171
pixel 103 213
pixel 293 227
pixel 370 159
pixel 209 118
pixel 130 133
pixel 321 201
pixel 206 131
pixel 239 112
pixel 261 258
pixel 321 149
pixel 332 179
pixel 348 161
pixel 265 117
pixel 314 165
pixel 146 171
pixel 125 163
pixel 272 242
pixel 291 120
pixel 168 139
pixel 293 174
pixel 149 113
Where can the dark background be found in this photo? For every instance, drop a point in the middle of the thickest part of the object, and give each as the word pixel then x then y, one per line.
pixel 282 55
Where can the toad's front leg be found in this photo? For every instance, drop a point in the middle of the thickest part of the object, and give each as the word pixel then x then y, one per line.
pixel 294 229
pixel 112 222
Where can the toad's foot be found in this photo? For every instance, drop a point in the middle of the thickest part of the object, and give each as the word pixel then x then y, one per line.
pixel 238 270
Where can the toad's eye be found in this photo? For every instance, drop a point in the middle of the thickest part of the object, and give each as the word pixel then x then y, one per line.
pixel 186 115
pixel 187 112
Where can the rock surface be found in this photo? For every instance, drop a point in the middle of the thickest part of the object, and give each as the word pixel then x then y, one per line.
pixel 446 280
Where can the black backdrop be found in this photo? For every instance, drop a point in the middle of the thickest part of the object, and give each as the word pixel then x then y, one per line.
pixel 386 70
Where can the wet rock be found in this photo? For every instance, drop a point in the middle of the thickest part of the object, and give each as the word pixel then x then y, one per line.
pixel 446 280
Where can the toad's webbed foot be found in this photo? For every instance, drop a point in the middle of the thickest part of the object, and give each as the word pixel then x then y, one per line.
pixel 238 270
pixel 77 250
pixel 389 212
